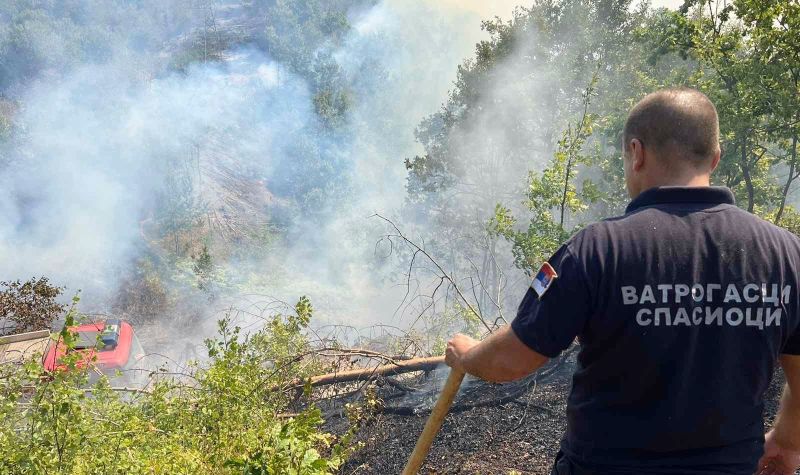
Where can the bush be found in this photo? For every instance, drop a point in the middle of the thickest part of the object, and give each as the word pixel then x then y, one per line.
pixel 224 418
pixel 203 268
pixel 30 305
pixel 142 294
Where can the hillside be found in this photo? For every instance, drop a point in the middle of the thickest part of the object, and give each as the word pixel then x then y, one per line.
pixel 492 429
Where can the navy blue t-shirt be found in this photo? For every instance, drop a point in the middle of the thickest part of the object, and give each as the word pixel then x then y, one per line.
pixel 682 307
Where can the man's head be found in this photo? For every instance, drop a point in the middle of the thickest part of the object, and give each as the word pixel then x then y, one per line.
pixel 671 138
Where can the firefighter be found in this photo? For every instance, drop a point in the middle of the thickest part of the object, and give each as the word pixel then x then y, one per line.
pixel 683 307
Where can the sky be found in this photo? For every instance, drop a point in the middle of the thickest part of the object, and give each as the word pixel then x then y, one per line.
pixel 667 3
pixel 503 8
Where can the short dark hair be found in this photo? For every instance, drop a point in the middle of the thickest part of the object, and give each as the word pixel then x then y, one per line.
pixel 677 122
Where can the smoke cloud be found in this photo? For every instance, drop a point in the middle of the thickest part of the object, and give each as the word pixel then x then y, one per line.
pixel 95 149
pixel 106 152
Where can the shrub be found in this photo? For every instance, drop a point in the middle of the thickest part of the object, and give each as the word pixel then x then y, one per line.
pixel 142 294
pixel 224 418
pixel 30 305
pixel 203 268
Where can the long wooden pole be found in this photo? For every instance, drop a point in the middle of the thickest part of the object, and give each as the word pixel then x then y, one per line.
pixel 402 366
pixel 434 423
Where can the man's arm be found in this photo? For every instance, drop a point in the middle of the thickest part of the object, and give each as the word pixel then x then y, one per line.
pixel 787 424
pixel 782 447
pixel 499 358
pixel 552 313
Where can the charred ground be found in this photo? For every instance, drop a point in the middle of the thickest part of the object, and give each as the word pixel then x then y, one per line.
pixel 492 429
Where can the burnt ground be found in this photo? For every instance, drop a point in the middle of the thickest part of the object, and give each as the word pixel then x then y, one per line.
pixel 491 429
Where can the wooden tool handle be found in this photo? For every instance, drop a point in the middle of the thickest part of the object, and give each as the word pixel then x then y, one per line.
pixel 434 423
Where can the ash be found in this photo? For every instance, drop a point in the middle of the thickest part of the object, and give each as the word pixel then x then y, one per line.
pixel 492 429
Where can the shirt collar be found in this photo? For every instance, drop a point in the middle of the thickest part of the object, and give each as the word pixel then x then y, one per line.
pixel 682 194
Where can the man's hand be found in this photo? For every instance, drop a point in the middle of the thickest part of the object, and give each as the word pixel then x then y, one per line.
pixel 457 348
pixel 778 459
pixel 782 444
pixel 499 358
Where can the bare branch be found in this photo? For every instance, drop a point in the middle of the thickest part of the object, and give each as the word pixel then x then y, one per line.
pixel 443 274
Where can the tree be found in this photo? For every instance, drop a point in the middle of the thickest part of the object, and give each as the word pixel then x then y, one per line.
pixel 303 34
pixel 203 268
pixel 730 73
pixel 551 195
pixel 178 205
pixel 31 305
pixel 772 29
pixel 507 115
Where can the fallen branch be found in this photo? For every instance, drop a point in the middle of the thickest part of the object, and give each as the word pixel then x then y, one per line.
pixel 406 366
pixel 344 352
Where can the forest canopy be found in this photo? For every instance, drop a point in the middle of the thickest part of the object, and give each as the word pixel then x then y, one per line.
pixel 224 149
pixel 598 59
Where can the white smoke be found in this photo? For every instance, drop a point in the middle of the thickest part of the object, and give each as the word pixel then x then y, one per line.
pixel 95 146
pixel 98 143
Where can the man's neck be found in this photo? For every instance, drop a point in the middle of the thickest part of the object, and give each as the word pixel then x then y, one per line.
pixel 690 181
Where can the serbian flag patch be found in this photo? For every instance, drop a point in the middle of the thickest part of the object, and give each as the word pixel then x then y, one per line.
pixel 544 279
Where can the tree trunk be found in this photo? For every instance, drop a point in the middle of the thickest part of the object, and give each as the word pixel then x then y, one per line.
pixel 748 180
pixel 566 190
pixel 789 181
pixel 484 275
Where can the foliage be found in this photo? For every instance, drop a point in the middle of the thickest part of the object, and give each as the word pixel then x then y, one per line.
pixel 772 32
pixel 728 74
pixel 225 417
pixel 435 330
pixel 177 206
pixel 57 36
pixel 150 40
pixel 552 194
pixel 302 34
pixel 296 31
pixel 204 269
pixel 209 42
pixel 519 105
pixel 559 44
pixel 143 294
pixel 744 54
pixel 31 305
pixel 748 64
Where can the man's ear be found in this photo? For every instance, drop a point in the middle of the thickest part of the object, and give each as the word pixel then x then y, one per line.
pixel 637 154
pixel 715 162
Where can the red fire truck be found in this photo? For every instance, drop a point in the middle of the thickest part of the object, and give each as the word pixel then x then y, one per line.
pixel 107 346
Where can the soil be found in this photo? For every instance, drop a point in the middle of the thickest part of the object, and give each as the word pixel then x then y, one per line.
pixel 492 429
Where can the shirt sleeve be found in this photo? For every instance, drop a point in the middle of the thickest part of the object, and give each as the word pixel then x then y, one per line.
pixel 550 323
